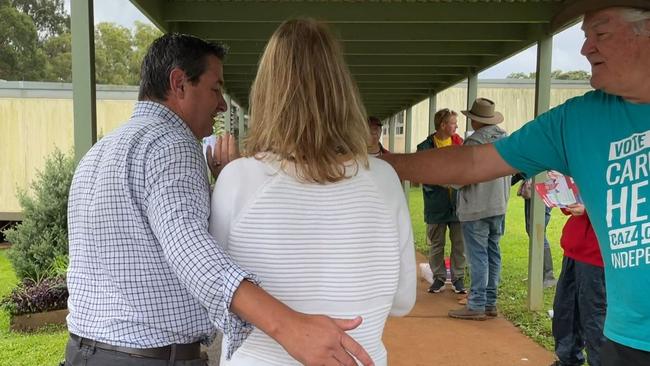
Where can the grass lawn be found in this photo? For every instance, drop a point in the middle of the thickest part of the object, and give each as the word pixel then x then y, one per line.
pixel 47 347
pixel 44 348
pixel 514 258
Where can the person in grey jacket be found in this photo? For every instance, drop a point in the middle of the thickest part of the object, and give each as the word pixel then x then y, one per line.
pixel 481 209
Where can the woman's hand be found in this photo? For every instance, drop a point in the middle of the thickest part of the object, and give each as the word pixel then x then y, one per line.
pixel 225 151
pixel 576 209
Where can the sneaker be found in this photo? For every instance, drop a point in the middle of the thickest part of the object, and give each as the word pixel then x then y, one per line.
pixel 437 286
pixel 491 311
pixel 467 314
pixel 459 286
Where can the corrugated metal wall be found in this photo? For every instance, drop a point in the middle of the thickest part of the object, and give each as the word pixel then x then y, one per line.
pixel 515 99
pixel 37 117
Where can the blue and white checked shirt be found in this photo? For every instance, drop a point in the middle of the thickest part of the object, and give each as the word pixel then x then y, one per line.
pixel 144 271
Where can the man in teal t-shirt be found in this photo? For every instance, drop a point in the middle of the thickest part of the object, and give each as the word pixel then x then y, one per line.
pixel 602 140
pixel 610 163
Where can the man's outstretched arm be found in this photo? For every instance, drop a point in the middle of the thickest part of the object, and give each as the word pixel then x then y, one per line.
pixel 310 339
pixel 453 165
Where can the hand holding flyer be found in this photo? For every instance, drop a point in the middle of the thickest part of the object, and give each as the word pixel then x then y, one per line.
pixel 558 190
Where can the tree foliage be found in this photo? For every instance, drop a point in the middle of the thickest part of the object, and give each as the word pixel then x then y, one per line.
pixel 113 54
pixel 49 16
pixel 21 58
pixel 555 74
pixel 144 34
pixel 58 50
pixel 36 44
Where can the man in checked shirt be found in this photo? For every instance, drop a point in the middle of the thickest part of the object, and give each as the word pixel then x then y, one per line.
pixel 147 282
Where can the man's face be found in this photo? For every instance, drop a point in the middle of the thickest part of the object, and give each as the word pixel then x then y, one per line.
pixel 619 57
pixel 375 133
pixel 450 125
pixel 202 102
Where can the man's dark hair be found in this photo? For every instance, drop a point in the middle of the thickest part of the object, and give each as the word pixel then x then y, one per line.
pixel 374 120
pixel 172 50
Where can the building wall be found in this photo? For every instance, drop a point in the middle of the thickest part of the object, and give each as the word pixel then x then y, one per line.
pixel 514 98
pixel 36 118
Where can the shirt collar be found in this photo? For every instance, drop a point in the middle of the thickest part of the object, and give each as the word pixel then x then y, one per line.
pixel 149 108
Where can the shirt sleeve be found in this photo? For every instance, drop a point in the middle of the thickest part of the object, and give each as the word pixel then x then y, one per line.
pixel 406 286
pixel 539 145
pixel 237 185
pixel 177 207
pixel 389 183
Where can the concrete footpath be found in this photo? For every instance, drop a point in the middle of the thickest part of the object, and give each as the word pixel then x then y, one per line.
pixel 427 336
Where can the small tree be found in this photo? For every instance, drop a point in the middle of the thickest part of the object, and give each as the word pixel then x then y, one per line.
pixel 43 234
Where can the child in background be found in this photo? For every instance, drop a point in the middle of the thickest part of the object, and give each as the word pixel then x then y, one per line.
pixel 580 304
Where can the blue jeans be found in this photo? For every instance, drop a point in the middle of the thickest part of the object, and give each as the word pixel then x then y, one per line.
pixel 579 312
pixel 482 250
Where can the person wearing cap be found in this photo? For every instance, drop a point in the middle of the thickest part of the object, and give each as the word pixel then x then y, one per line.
pixel 440 211
pixel 602 140
pixel 375 147
pixel 481 209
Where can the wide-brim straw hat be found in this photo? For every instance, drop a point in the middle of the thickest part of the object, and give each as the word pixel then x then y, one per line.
pixel 483 110
pixel 572 9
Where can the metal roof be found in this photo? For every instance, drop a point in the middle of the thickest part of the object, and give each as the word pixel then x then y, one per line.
pixel 399 52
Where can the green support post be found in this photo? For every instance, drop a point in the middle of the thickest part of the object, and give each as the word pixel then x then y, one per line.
pixel 536 243
pixel 241 127
pixel 472 94
pixel 408 133
pixel 227 114
pixel 83 76
pixel 391 133
pixel 433 107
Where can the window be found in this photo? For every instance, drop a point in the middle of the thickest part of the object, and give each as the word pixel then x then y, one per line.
pixel 399 123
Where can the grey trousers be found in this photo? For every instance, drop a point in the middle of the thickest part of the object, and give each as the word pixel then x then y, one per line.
pixel 436 235
pixel 86 355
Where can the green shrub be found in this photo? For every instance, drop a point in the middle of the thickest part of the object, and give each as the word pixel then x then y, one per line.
pixel 43 234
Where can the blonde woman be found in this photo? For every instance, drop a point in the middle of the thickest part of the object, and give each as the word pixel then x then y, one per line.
pixel 325 227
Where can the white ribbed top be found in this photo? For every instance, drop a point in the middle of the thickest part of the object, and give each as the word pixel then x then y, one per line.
pixel 342 249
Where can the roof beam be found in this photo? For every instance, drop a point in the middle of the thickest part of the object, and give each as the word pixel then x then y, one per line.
pixel 153 10
pixel 404 32
pixel 382 48
pixel 391 60
pixel 378 84
pixel 359 12
pixel 251 70
pixel 365 78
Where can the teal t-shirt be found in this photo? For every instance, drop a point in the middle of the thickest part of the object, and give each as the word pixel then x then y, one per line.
pixel 603 142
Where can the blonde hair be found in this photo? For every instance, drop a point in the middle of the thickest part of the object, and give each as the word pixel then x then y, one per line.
pixel 304 106
pixel 441 116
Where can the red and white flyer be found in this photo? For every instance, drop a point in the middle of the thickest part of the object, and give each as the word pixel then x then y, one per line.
pixel 558 190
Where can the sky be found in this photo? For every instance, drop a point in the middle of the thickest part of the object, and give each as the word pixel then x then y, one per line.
pixel 566 45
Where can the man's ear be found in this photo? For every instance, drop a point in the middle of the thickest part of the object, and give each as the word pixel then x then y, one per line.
pixel 177 80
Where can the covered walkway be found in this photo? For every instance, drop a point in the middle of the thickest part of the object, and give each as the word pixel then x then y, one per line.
pixel 399 52
pixel 427 336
